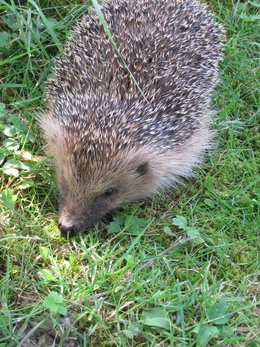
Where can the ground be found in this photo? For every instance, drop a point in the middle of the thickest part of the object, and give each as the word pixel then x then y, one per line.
pixel 174 271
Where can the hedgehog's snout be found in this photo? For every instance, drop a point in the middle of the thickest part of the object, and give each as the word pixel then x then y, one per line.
pixel 68 224
pixel 67 227
pixel 71 224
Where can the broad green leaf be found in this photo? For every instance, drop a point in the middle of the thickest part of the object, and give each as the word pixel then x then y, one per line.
pixel 217 313
pixel 25 166
pixel 168 231
pixel 10 131
pixel 13 163
pixel 205 333
pixel 180 222
pixel 19 124
pixel 28 137
pixel 113 228
pixel 11 167
pixel 10 171
pixel 11 144
pixel 135 225
pixel 156 317
pixel 25 155
pixel 55 303
pixel 26 184
pixel 193 232
pixel 119 218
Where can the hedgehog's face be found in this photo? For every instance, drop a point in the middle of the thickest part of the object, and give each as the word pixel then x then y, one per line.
pixel 86 197
pixel 95 177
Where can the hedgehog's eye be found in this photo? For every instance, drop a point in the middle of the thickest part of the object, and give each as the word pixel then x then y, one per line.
pixel 110 191
pixel 142 168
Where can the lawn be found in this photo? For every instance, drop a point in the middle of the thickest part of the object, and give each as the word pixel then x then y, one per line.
pixel 179 270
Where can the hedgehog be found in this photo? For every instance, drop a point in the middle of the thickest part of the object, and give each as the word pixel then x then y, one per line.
pixel 117 139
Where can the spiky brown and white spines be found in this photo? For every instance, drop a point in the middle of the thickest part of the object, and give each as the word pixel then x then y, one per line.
pixel 100 128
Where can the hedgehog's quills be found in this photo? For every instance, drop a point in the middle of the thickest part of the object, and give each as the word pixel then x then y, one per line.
pixel 110 144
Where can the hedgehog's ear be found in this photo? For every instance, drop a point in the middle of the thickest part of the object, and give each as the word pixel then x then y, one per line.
pixel 142 168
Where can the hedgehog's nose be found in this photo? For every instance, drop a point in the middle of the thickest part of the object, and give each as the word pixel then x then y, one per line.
pixel 67 229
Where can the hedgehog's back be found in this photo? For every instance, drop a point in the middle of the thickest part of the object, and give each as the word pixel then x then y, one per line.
pixel 170 46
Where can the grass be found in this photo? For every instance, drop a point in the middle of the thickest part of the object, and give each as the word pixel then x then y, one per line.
pixel 124 284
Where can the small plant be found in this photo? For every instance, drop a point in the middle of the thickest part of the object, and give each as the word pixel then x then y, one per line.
pixel 215 326
pixel 54 302
pixel 156 317
pixel 182 223
pixel 131 224
pixel 14 159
